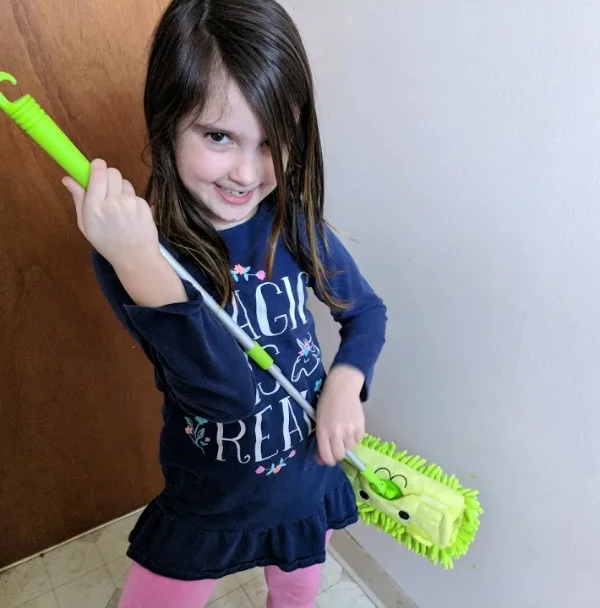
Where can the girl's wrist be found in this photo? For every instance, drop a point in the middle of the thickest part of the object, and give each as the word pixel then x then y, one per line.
pixel 346 376
pixel 138 261
pixel 150 281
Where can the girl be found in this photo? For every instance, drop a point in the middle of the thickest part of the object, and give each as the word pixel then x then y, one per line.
pixel 236 190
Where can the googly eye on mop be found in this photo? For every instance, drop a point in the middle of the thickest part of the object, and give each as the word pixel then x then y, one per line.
pixel 403 477
pixel 391 477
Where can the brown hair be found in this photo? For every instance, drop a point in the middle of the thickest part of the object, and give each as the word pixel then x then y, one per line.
pixel 259 47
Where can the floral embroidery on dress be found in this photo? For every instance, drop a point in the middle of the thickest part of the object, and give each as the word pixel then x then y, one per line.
pixel 318 386
pixel 275 468
pixel 196 431
pixel 244 271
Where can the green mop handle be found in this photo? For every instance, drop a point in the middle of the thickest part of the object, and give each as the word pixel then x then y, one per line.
pixel 29 115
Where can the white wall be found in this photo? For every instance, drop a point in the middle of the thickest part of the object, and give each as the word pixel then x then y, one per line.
pixel 462 142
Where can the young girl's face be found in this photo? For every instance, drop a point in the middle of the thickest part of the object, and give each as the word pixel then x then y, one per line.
pixel 223 158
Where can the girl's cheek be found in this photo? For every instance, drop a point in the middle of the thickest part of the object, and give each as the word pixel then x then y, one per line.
pixel 213 165
pixel 202 162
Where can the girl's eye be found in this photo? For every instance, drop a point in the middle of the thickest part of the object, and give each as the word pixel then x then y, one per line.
pixel 218 138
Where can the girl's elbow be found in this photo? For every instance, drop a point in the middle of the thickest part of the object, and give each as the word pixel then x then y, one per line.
pixel 379 313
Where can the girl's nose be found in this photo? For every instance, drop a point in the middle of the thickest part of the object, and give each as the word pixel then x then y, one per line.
pixel 246 171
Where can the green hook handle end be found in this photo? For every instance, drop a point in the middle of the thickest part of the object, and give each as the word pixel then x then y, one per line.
pixel 5 103
pixel 30 116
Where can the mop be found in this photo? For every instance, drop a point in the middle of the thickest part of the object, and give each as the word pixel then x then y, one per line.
pixel 423 508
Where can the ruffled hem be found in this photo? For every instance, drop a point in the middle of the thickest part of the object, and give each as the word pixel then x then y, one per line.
pixel 178 547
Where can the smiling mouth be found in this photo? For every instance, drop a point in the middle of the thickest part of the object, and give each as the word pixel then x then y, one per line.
pixel 235 197
pixel 234 192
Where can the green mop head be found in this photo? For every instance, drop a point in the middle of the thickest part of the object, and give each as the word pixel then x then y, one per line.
pixel 435 517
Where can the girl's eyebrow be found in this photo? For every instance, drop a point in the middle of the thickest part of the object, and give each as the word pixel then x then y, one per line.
pixel 214 127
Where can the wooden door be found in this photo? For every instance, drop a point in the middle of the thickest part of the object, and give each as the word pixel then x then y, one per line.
pixel 79 416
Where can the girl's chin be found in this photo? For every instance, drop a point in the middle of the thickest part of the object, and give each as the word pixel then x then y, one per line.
pixel 222 221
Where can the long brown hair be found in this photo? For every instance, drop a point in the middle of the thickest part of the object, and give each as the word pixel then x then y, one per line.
pixel 258 45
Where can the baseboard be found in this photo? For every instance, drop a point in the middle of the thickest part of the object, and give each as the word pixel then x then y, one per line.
pixel 368 574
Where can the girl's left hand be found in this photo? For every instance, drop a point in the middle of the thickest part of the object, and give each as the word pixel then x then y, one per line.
pixel 340 416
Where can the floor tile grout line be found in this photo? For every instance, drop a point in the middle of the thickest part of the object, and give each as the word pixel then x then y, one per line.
pixel 246 594
pixel 37 597
pixel 110 573
pixel 53 592
pixel 211 602
pixel 41 556
pixel 104 566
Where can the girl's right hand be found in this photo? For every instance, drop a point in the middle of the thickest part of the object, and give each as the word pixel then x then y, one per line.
pixel 117 223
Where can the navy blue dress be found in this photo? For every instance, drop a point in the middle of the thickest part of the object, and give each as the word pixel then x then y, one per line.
pixel 243 487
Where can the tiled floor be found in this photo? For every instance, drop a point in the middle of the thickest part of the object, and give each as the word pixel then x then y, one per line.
pixel 89 573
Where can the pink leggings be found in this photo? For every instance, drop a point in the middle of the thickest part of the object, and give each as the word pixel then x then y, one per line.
pixel 144 589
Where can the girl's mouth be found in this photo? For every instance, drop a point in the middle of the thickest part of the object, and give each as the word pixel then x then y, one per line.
pixel 233 196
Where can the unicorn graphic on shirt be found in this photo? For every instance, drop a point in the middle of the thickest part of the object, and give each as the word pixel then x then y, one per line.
pixel 308 359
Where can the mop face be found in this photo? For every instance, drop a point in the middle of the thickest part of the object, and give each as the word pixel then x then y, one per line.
pixel 435 517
